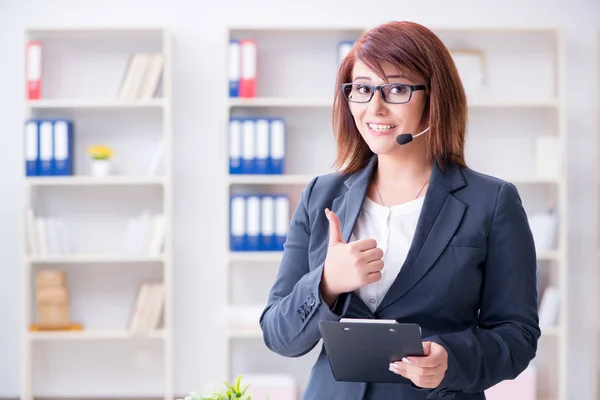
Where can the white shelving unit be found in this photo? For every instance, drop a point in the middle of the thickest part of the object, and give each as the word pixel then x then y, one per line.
pixel 524 99
pixel 82 70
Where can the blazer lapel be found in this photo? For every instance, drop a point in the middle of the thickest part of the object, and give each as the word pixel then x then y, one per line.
pixel 347 207
pixel 440 217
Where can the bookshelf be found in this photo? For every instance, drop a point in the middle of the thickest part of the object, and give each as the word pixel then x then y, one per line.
pixel 102 244
pixel 504 120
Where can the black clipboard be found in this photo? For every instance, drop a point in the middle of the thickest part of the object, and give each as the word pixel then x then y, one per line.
pixel 362 351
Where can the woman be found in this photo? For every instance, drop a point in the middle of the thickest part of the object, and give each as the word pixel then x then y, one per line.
pixel 407 231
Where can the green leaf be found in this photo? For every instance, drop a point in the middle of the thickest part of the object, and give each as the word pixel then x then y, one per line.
pixel 246 388
pixel 230 387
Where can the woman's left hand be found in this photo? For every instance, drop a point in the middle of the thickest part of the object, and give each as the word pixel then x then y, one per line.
pixel 427 371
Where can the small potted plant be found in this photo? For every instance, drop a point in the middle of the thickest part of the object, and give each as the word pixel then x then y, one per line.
pixel 231 392
pixel 100 160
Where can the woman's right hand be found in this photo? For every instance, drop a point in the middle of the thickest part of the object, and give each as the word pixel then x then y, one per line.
pixel 348 266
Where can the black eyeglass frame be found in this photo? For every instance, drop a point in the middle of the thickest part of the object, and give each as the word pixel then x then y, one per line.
pixel 380 87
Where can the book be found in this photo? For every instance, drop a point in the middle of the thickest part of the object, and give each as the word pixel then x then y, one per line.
pixel 148 308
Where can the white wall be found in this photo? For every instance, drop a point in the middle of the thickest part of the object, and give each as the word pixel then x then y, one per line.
pixel 9 281
pixel 199 56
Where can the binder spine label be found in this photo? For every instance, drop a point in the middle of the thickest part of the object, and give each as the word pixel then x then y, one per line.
pixel 267 223
pixel 34 70
pixel 234 68
pixel 253 223
pixel 262 146
pixel 248 146
pixel 277 147
pixel 46 148
pixel 248 73
pixel 235 147
pixel 31 148
pixel 62 148
pixel 237 236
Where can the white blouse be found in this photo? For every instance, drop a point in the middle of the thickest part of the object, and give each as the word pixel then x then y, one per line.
pixel 393 228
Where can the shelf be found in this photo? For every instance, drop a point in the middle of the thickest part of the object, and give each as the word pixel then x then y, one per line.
pixel 552 331
pixel 275 256
pixel 328 102
pixel 94 104
pixel 93 335
pixel 242 321
pixel 512 104
pixel 256 256
pixel 91 258
pixel 247 331
pixel 104 30
pixel 301 179
pixel 494 29
pixel 531 180
pixel 284 179
pixel 549 255
pixel 92 181
pixel 274 28
pixel 254 331
pixel 280 102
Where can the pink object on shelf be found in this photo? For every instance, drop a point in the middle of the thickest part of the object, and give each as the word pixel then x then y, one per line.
pixel 523 387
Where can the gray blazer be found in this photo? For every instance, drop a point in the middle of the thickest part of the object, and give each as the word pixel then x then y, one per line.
pixel 469 280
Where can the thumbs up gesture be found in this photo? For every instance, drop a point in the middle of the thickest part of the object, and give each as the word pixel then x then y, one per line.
pixel 348 266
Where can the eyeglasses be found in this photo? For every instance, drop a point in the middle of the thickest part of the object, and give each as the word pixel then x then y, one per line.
pixel 392 93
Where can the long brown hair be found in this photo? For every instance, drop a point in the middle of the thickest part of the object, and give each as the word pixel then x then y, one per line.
pixel 412 48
